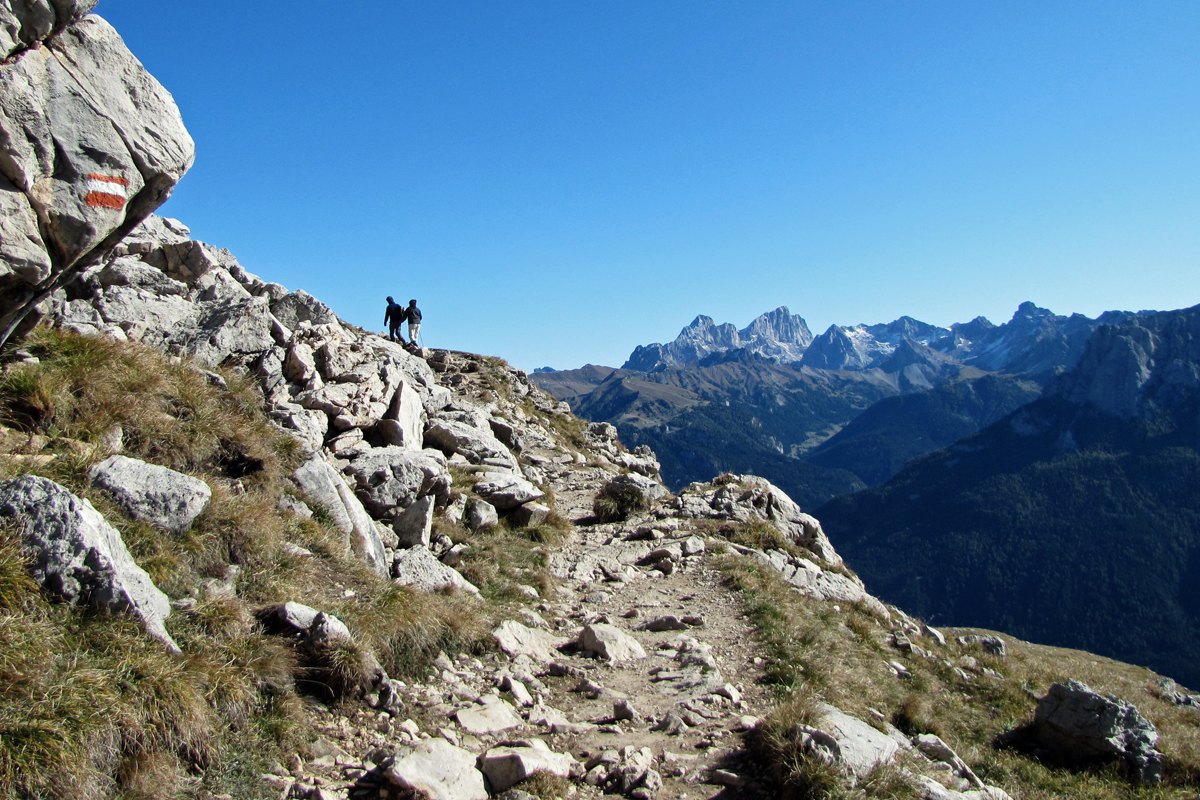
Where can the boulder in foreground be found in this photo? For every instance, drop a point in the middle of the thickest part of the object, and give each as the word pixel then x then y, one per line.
pixel 79 556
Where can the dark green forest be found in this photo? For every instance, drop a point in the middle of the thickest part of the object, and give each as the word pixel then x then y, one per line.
pixel 1057 524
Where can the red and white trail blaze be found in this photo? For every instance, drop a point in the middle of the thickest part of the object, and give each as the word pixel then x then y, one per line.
pixel 106 191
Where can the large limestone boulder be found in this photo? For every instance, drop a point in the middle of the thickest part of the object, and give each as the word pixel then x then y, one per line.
pixel 1081 724
pixel 439 770
pixel 154 494
pixel 610 642
pixel 78 556
pixel 506 490
pixel 508 765
pixel 393 478
pixel 300 306
pixel 321 484
pixel 88 138
pixel 838 738
pixel 516 640
pixel 420 569
pixel 477 444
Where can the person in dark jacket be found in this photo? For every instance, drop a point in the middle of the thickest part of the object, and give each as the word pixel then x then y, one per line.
pixel 392 318
pixel 413 315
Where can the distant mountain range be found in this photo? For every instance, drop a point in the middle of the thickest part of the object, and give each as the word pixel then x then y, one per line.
pixel 773 399
pixel 1074 519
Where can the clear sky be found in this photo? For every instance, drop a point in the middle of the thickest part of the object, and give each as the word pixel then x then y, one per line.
pixel 557 181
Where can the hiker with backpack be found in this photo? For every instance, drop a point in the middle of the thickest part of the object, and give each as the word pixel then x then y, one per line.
pixel 392 318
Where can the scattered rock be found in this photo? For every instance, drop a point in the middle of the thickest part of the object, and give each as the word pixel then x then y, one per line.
pixel 610 642
pixel 508 765
pixel 438 768
pixel 419 568
pixel 154 494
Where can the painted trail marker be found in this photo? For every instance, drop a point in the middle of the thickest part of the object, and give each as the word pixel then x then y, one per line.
pixel 106 191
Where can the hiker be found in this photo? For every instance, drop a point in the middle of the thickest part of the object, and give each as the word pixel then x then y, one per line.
pixel 392 318
pixel 413 315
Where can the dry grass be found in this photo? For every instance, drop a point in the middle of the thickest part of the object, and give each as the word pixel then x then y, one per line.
pixel 819 655
pixel 615 503
pixel 501 559
pixel 546 786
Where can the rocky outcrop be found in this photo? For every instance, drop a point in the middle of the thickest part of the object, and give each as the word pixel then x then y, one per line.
pixel 78 556
pixel 90 145
pixel 741 498
pixel 325 488
pixel 1080 724
pixel 1133 369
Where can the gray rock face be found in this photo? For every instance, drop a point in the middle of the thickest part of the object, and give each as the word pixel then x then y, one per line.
pixel 395 477
pixel 1082 724
pixel 419 568
pixel 300 306
pixel 505 490
pixel 414 525
pixel 507 766
pixel 1130 370
pixel 79 556
pixel 87 137
pixel 649 488
pixel 324 486
pixel 438 769
pixel 839 738
pixel 610 642
pixel 154 494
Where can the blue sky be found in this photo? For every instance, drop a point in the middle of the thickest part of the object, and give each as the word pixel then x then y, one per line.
pixel 557 182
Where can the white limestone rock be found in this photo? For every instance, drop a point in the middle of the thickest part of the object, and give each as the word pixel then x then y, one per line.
pixel 610 642
pixel 404 425
pixel 480 514
pixel 414 525
pixel 439 769
pixel 79 556
pixel 420 569
pixel 300 306
pixel 838 738
pixel 395 477
pixel 492 715
pixel 508 765
pixel 154 494
pixel 518 640
pixel 321 484
pixel 506 490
